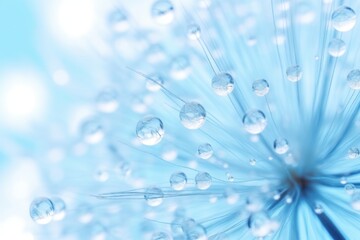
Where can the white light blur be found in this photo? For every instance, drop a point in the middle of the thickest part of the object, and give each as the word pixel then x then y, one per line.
pixel 22 98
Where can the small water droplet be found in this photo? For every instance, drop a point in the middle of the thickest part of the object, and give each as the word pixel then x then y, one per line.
pixel 281 145
pixel 178 181
pixel 353 79
pixel 194 32
pixel 203 180
pixel 260 87
pixel 222 84
pixel 154 196
pixel 254 121
pixel 350 188
pixel 205 151
pixel 150 131
pixel 162 12
pixel 192 115
pixel 294 73
pixel 336 47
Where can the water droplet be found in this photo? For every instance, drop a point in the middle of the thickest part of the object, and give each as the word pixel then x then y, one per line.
pixel 230 177
pixel 107 101
pixel 205 151
pixel 92 131
pixel 336 47
pixel 281 145
pixel 180 68
pixel 318 209
pixel 59 209
pixel 260 87
pixel 343 19
pixel 355 201
pixel 261 225
pixel 154 196
pixel 194 32
pixel 150 131
pixel 353 153
pixel 294 73
pixel 353 79
pixel 42 210
pixel 154 82
pixel 163 12
pixel 222 84
pixel 254 121
pixel 350 188
pixel 203 180
pixel 178 181
pixel 288 199
pixel 160 236
pixel 192 115
pixel 197 232
pixel 252 162
pixel 254 203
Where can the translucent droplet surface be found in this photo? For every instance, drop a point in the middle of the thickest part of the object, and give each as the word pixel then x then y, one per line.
pixel 355 201
pixel 198 232
pixel 178 181
pixel 261 225
pixel 353 79
pixel 205 151
pixel 59 209
pixel 353 153
pixel 350 188
pixel 160 236
pixel 281 146
pixel 107 101
pixel 194 32
pixel 162 12
pixel 203 180
pixel 343 19
pixel 260 87
pixel 337 47
pixel 154 196
pixel 192 115
pixel 92 131
pixel 294 73
pixel 343 180
pixel 222 84
pixel 150 131
pixel 254 121
pixel 42 210
pixel 154 83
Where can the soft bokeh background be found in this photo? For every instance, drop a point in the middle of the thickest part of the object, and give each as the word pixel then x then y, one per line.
pixel 43 48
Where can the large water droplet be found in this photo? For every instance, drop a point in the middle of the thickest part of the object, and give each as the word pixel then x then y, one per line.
pixel 261 225
pixel 163 12
pixel 337 47
pixel 59 208
pixel 42 210
pixel 222 84
pixel 254 121
pixel 150 131
pixel 343 19
pixel 192 115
